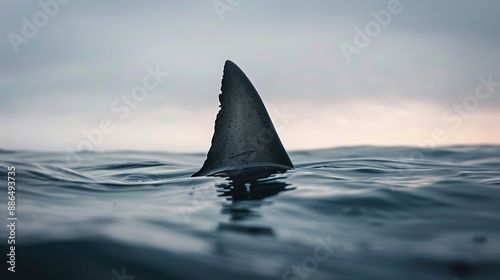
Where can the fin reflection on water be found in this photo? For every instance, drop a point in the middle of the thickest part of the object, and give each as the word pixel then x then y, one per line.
pixel 245 199
pixel 257 189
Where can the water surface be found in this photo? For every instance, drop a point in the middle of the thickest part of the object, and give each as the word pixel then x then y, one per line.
pixel 344 213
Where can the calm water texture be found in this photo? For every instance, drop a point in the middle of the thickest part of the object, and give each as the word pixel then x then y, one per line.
pixel 344 213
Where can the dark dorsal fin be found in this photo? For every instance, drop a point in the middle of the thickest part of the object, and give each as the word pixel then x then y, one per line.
pixel 244 138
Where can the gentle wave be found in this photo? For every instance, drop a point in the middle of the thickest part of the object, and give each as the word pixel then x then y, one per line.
pixel 394 212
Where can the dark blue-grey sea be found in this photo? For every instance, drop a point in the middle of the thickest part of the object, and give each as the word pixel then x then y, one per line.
pixel 343 213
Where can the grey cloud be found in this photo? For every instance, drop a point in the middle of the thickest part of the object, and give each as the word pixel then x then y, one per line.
pixel 91 52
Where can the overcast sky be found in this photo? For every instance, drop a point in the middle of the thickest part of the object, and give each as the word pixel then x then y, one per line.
pixel 67 69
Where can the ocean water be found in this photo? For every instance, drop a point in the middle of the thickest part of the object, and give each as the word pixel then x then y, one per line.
pixel 343 213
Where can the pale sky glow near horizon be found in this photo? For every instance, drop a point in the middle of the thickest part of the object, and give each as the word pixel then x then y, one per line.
pixel 420 73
